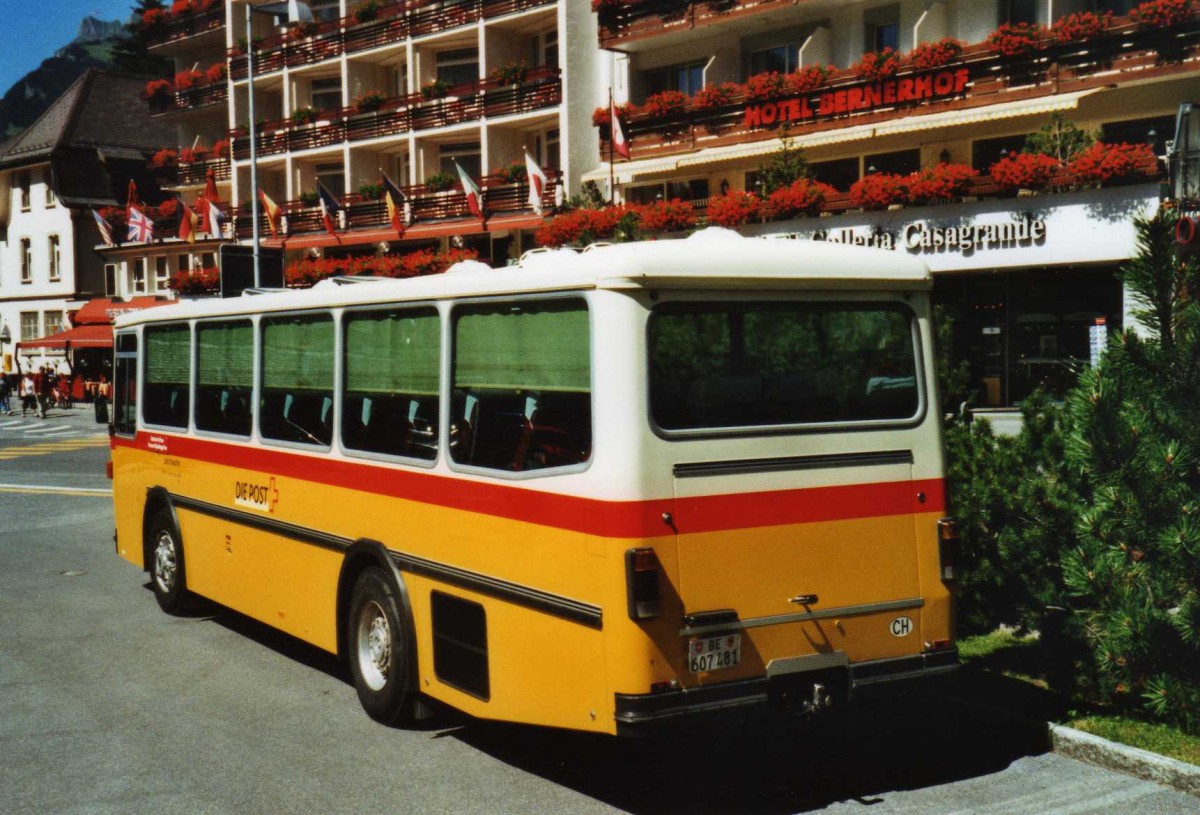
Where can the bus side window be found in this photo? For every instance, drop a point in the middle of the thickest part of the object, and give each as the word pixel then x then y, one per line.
pixel 522 385
pixel 125 385
pixel 224 372
pixel 392 374
pixel 297 379
pixel 167 389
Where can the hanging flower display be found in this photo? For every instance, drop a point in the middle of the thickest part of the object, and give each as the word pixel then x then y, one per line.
pixel 943 182
pixel 1081 26
pixel 1163 13
pixel 196 281
pixel 931 55
pixel 733 208
pixel 1024 171
pixel 765 86
pixel 1017 39
pixel 877 65
pixel 164 158
pixel 215 73
pixel 188 79
pixel 664 104
pixel 879 190
pixel 715 96
pixel 667 216
pixel 807 80
pixel 805 196
pixel 1102 163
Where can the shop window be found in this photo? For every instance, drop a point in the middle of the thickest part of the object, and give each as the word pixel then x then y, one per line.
pixel 327 94
pixel 458 67
pixel 839 173
pixel 26 260
pixel 55 249
pixel 901 162
pixel 781 58
pixel 687 78
pixel 392 364
pixel 690 190
pixel 297 379
pixel 53 322
pixel 1154 131
pixel 986 152
pixel 881 27
pixel 468 156
pixel 522 385
pixel 1018 11
pixel 167 389
pixel 224 374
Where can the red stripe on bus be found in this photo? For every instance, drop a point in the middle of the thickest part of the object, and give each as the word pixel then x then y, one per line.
pixel 593 516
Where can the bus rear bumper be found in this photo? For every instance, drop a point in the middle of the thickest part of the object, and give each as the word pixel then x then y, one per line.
pixel 863 678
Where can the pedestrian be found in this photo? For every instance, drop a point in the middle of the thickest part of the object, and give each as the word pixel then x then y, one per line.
pixel 41 390
pixel 28 394
pixel 5 407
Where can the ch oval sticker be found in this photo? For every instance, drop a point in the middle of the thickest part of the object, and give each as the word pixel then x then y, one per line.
pixel 901 627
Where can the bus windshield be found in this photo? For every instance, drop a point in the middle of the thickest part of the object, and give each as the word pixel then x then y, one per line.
pixel 756 364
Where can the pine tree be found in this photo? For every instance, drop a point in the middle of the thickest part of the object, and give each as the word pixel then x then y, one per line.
pixel 783 167
pixel 1059 137
pixel 131 54
pixel 1132 438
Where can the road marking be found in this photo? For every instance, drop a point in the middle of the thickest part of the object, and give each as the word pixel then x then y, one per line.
pixel 58 445
pixel 38 489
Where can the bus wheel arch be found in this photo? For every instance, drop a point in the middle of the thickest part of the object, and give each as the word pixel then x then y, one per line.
pixel 162 552
pixel 375 629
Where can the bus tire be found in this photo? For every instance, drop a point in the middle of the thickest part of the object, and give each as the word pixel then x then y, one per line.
pixel 168 577
pixel 380 649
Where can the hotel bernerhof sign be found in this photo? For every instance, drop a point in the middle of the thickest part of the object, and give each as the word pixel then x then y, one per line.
pixel 1090 226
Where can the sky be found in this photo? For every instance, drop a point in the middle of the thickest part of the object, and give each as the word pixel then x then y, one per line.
pixel 35 29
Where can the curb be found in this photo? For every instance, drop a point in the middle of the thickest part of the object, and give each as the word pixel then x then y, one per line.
pixel 1076 744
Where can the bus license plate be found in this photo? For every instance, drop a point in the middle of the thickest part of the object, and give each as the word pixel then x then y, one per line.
pixel 714 653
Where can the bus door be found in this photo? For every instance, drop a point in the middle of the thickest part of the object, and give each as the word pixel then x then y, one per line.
pixel 810 555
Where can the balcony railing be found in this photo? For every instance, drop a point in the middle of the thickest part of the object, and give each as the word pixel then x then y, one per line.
pixel 1124 52
pixel 196 172
pixel 306 45
pixel 199 96
pixel 181 26
pixel 635 19
pixel 541 89
pixel 424 205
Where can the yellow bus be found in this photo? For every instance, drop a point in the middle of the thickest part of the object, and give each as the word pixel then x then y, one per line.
pixel 594 490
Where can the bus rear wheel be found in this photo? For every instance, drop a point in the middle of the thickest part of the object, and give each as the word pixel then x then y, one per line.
pixel 380 650
pixel 167 575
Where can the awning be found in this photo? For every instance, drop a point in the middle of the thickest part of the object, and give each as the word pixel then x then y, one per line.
pixel 626 172
pixel 102 310
pixel 422 230
pixel 85 336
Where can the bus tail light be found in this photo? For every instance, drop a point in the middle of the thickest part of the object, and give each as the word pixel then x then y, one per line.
pixel 108 469
pixel 641 583
pixel 948 548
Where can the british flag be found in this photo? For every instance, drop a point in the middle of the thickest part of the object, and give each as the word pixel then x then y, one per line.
pixel 141 228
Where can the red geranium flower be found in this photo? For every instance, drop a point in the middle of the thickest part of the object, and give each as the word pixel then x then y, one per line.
pixel 715 96
pixel 807 80
pixel 877 65
pixel 1083 25
pixel 930 55
pixel 667 216
pixel 1017 39
pixel 666 103
pixel 734 208
pixel 940 183
pixel 805 196
pixel 1024 171
pixel 1102 163
pixel 880 190
pixel 765 86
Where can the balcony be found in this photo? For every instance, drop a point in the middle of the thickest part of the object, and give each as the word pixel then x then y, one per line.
pixel 426 207
pixel 974 80
pixel 195 173
pixel 625 21
pixel 188 99
pixel 166 28
pixel 309 44
pixel 541 89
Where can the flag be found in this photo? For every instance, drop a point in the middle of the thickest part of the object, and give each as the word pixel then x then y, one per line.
pixel 329 209
pixel 620 144
pixel 210 186
pixel 472 191
pixel 537 183
pixel 396 202
pixel 272 210
pixel 210 215
pixel 141 228
pixel 105 229
pixel 188 223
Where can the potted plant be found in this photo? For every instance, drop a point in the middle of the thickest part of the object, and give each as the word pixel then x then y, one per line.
pixel 371 100
pixel 880 191
pixel 1080 26
pixel 715 96
pixel 943 182
pixel 512 174
pixel 309 198
pixel 803 196
pixel 187 79
pixel 305 115
pixel 513 73
pixel 765 86
pixel 371 192
pixel 807 80
pixel 733 208
pixel 929 56
pixel 665 104
pixel 1024 171
pixel 1104 163
pixel 164 159
pixel 435 89
pixel 215 73
pixel 877 65
pixel 1162 13
pixel 439 182
pixel 667 216
pixel 1017 39
pixel 367 12
pixel 158 90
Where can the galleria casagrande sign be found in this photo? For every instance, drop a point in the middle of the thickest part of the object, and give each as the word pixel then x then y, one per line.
pixel 924 237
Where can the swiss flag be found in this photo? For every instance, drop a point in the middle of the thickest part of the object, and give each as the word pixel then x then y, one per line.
pixel 620 144
pixel 537 183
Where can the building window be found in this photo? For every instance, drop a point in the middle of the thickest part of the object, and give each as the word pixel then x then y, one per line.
pixel 781 58
pixel 183 263
pixel 54 322
pixel 882 28
pixel 139 276
pixel 208 261
pixel 29 325
pixel 26 260
pixel 55 258
pixel 325 10
pixel 1154 132
pixel 468 156
pixel 901 162
pixel 327 94
pixel 458 67
pixel 1018 11
pixel 695 189
pixel 332 177
pixel 551 158
pixel 986 152
pixel 162 273
pixel 51 199
pixel 839 174
pixel 1117 7
pixel 545 49
pixel 23 187
pixel 110 279
pixel 686 78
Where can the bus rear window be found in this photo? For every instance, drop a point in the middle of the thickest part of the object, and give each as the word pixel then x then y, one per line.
pixel 737 365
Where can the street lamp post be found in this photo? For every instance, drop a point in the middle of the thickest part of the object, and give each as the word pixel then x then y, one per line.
pixel 296 12
pixel 5 339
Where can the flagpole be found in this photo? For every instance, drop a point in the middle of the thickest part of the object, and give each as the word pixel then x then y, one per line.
pixel 253 147
pixel 612 113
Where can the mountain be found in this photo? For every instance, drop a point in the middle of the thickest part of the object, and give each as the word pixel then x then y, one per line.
pixel 29 97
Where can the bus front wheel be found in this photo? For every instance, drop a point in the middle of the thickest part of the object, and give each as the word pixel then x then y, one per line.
pixel 380 651
pixel 167 575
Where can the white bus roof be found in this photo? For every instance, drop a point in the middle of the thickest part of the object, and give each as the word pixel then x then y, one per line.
pixel 710 259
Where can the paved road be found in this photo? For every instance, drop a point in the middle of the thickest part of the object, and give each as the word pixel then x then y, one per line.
pixel 109 706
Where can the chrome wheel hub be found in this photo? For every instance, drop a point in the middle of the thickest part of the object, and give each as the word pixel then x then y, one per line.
pixel 165 564
pixel 374 646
